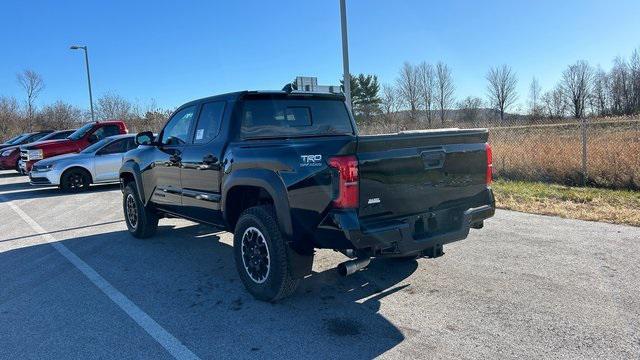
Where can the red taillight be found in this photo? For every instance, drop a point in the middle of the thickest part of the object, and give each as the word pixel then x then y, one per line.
pixel 489 176
pixel 347 167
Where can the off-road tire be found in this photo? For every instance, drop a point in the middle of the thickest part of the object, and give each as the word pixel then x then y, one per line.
pixel 143 220
pixel 279 282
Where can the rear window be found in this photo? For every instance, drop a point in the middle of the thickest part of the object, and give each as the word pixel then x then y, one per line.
pixel 274 117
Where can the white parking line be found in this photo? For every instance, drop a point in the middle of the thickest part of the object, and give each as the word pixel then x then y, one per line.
pixel 162 336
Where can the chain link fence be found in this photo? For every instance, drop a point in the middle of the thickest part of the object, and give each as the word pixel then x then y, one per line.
pixel 600 152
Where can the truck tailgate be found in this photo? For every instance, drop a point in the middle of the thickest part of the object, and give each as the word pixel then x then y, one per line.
pixel 420 171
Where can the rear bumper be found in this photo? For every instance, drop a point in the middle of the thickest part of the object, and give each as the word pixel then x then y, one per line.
pixel 407 235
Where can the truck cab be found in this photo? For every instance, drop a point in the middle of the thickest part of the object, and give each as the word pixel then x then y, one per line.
pixel 288 173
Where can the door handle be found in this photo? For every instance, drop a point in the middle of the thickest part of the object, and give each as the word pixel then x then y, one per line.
pixel 175 158
pixel 209 159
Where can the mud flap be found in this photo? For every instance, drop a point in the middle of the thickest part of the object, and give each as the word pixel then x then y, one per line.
pixel 433 252
pixel 299 264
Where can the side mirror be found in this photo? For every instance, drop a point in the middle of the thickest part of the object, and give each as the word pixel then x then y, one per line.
pixel 144 138
pixel 92 138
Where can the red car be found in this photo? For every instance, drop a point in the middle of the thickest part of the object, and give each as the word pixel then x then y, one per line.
pixel 86 135
pixel 9 156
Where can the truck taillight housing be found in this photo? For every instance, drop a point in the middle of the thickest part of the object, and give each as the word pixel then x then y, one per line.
pixel 348 181
pixel 489 175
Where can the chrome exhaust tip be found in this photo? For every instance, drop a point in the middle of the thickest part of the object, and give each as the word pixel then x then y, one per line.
pixel 352 266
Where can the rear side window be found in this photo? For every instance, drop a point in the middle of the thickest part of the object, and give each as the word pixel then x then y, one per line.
pixel 106 131
pixel 275 117
pixel 209 122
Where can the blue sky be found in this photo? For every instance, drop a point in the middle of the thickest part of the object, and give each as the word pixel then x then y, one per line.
pixel 176 51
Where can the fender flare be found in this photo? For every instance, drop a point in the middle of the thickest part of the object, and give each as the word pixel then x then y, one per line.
pixel 270 182
pixel 132 168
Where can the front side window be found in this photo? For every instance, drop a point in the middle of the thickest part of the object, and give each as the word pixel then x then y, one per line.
pixel 95 146
pixel 130 144
pixel 209 122
pixel 36 137
pixel 115 147
pixel 177 130
pixel 80 133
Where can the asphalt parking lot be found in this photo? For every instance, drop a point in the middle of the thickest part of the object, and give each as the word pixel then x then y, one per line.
pixel 74 284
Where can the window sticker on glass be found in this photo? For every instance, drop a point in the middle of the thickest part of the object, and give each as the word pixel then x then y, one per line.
pixel 199 134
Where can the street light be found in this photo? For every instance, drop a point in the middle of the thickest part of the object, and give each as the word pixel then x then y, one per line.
pixel 345 53
pixel 86 61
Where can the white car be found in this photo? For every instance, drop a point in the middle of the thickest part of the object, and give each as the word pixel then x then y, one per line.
pixel 97 164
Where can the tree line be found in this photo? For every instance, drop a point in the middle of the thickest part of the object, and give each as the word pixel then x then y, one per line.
pixel 426 93
pixel 16 117
pixel 422 95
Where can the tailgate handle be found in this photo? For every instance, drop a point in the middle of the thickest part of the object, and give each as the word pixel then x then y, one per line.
pixel 432 159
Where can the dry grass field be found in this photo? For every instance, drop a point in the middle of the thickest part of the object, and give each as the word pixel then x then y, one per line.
pixel 553 153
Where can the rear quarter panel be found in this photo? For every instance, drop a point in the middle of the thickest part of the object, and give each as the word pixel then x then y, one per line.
pixel 301 166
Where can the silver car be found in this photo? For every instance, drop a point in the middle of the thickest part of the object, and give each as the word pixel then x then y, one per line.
pixel 96 164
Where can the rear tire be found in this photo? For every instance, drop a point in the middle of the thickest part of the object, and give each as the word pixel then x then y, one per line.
pixel 261 255
pixel 142 221
pixel 75 180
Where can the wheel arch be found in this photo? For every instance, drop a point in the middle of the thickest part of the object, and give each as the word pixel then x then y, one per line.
pixel 249 187
pixel 130 172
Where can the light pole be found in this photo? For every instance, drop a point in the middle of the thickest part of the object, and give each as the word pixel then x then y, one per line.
pixel 86 61
pixel 345 53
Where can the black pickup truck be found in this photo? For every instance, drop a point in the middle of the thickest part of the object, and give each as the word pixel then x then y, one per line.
pixel 287 173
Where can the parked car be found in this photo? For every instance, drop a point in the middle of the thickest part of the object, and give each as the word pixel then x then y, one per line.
pixel 88 134
pixel 97 164
pixel 287 173
pixel 25 138
pixel 10 156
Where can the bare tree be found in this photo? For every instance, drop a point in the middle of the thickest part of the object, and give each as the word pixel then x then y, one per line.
pixel 634 67
pixel 470 109
pixel 59 115
pixel 33 85
pixel 554 103
pixel 9 117
pixel 408 88
pixel 444 89
pixel 620 86
pixel 502 88
pixel 576 84
pixel 600 99
pixel 427 88
pixel 390 104
pixel 113 106
pixel 534 97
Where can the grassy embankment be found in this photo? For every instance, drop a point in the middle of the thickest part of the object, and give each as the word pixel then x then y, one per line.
pixel 613 206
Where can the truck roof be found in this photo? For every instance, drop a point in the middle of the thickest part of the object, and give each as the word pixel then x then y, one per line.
pixel 238 95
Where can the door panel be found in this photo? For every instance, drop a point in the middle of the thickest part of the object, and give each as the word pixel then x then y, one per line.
pixel 200 178
pixel 107 167
pixel 166 172
pixel 168 159
pixel 201 170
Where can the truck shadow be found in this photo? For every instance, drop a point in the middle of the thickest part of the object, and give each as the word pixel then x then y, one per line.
pixel 185 279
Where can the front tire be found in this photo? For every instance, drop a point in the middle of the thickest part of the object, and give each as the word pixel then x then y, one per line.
pixel 75 180
pixel 261 255
pixel 142 221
